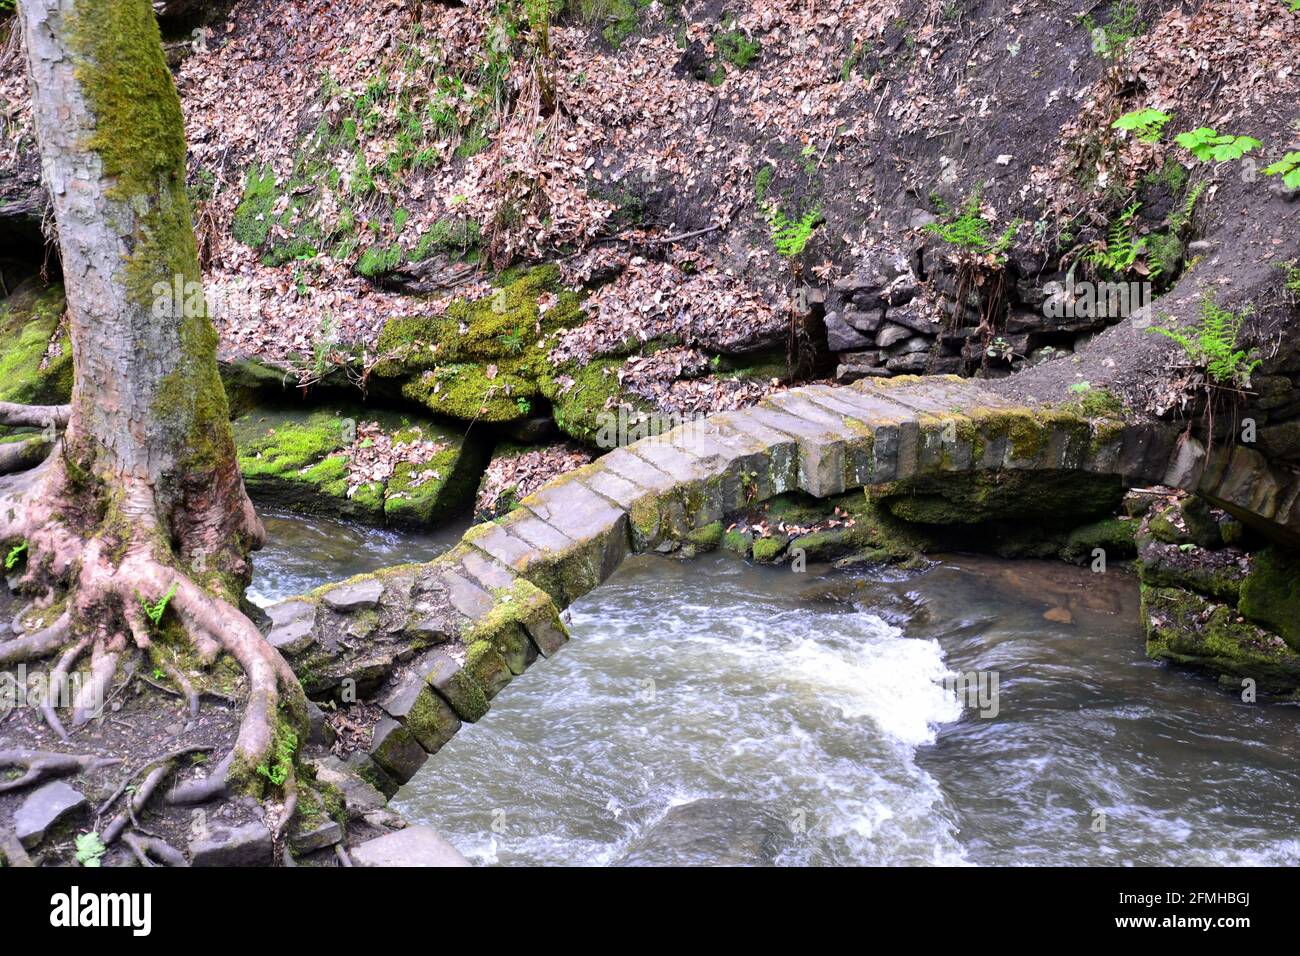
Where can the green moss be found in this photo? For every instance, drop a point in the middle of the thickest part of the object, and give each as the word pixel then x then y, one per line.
pixel 379 260
pixel 1055 497
pixel 1185 629
pixel 1270 595
pixel 740 542
pixel 768 549
pixel 298 460
pixel 29 319
pixel 1112 535
pixel 252 222
pixel 706 538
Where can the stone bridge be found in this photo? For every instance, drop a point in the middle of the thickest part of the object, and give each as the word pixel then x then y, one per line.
pixel 432 644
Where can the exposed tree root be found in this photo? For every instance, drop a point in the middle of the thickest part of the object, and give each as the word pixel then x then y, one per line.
pixel 34 416
pixel 137 802
pixel 146 849
pixel 37 645
pixel 105 578
pixel 20 455
pixel 169 758
pixel 41 764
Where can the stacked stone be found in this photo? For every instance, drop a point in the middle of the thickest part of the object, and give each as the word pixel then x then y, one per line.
pixel 880 326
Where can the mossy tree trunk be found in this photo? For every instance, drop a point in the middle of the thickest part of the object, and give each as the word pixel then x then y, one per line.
pixel 141 500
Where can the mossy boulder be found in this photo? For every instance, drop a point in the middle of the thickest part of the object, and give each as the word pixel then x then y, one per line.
pixel 1112 535
pixel 1270 594
pixel 1058 498
pixel 769 548
pixel 1190 630
pixel 303 460
pixel 487 360
pixel 35 353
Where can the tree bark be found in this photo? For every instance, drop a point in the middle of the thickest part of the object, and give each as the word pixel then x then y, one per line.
pixel 142 501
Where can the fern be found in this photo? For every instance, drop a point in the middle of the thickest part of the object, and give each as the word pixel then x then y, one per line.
pixel 14 554
pixel 1288 167
pixel 970 231
pixel 277 771
pixel 1146 124
pixel 1211 344
pixel 790 236
pixel 156 610
pixel 1121 249
pixel 1206 144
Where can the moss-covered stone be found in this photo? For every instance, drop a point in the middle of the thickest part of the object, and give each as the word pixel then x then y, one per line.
pixel 487 360
pixel 1059 497
pixel 1270 595
pixel 706 538
pixel 1113 535
pixel 769 548
pixel 35 360
pixel 1187 629
pixel 298 459
pixel 741 542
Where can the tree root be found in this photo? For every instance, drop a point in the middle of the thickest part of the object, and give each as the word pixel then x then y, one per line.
pixel 37 645
pixel 58 686
pixel 34 416
pixel 144 847
pixel 43 763
pixel 21 455
pixel 169 758
pixel 137 802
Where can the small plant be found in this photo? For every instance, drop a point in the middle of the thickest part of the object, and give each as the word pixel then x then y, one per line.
pixel 512 342
pixel 155 611
pixel 15 555
pixel 277 771
pixel 790 236
pixel 1288 167
pixel 1208 144
pixel 971 232
pixel 1291 281
pixel 1146 124
pixel 762 182
pixel 524 405
pixel 1122 248
pixel 1212 345
pixel 1110 41
pixel 90 849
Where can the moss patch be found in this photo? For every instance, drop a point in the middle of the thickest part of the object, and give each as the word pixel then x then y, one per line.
pixel 35 367
pixel 1270 595
pixel 297 459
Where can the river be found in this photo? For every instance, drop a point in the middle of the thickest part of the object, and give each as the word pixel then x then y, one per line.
pixel 713 711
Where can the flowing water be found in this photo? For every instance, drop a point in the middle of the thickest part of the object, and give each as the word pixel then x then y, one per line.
pixel 717 712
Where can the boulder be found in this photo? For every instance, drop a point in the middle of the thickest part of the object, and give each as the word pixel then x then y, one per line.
pixel 891 334
pixel 842 337
pixel 413 846
pixel 246 845
pixel 44 808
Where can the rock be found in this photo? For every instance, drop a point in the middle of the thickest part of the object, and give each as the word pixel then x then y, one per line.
pixel 320 834
pixel 920 218
pixel 396 750
pixel 713 831
pixel 319 731
pixel 246 845
pixel 292 624
pixel 414 846
pixel 909 317
pixel 46 807
pixel 867 320
pixel 916 343
pixel 890 334
pixel 910 364
pixel 351 596
pixel 1270 595
pixel 842 337
pixel 429 718
pixel 359 797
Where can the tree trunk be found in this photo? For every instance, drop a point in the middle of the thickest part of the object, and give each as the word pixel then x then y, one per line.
pixel 139 516
pixel 148 409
